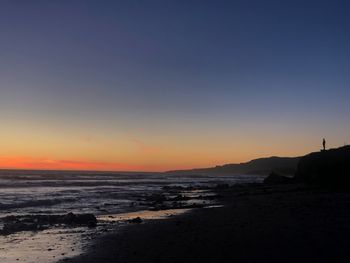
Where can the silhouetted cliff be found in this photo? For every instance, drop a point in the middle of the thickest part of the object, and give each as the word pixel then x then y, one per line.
pixel 262 166
pixel 326 168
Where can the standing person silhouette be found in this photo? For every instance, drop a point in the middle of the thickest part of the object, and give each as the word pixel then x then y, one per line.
pixel 324 144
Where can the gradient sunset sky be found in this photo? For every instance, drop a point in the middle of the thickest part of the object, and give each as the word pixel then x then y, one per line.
pixel 158 85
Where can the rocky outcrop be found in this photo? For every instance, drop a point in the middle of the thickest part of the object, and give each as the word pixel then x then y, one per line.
pixel 136 220
pixel 325 168
pixel 13 224
pixel 275 178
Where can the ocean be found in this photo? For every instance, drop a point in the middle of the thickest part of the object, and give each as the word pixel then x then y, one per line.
pixel 105 194
pixel 59 192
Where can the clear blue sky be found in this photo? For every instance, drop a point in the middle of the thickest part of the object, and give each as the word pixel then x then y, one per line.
pixel 201 82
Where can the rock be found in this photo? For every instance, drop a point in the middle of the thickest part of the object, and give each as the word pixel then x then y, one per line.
pixel 92 224
pixel 10 228
pixel 14 224
pixel 326 168
pixel 275 178
pixel 86 219
pixel 136 220
pixel 69 218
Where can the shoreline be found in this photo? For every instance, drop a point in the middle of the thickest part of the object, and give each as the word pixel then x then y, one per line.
pixel 259 223
pixel 48 238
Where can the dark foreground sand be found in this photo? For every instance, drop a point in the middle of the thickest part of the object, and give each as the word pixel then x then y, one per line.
pixel 257 224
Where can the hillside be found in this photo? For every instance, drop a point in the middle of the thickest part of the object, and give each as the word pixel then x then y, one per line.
pixel 261 166
pixel 327 168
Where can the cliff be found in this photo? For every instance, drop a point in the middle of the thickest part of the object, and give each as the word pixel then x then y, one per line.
pixel 326 168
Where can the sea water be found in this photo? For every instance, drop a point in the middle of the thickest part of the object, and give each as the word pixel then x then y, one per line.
pixel 105 194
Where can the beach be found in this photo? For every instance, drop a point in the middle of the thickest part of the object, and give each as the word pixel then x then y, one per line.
pixel 257 223
pixel 51 215
pixel 174 131
pixel 156 218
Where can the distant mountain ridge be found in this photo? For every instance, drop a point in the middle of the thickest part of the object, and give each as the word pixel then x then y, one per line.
pixel 261 166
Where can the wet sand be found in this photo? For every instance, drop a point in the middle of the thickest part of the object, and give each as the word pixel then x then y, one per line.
pixel 56 243
pixel 47 238
pixel 257 224
pixel 43 246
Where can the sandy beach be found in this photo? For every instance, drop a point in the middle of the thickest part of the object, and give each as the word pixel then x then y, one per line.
pixel 257 223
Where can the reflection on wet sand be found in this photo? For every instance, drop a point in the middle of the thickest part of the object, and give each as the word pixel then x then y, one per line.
pixel 145 215
pixel 49 246
pixel 41 247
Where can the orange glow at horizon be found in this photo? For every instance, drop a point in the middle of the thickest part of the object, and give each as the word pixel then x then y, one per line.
pixel 32 145
pixel 11 162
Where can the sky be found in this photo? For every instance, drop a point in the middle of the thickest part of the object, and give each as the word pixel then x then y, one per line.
pixel 161 85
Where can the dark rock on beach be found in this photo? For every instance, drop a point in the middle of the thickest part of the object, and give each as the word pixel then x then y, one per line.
pixel 80 219
pixel 20 226
pixel 136 220
pixel 14 224
pixel 275 178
